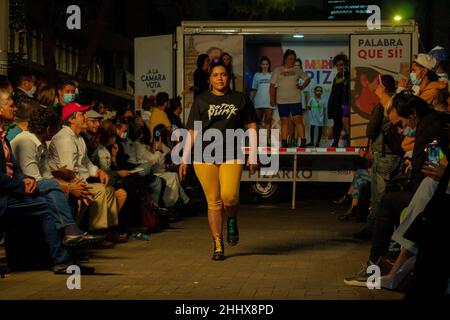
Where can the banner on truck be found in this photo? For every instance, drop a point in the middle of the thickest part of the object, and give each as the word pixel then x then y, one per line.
pixel 370 56
pixel 153 67
pixel 317 62
pixel 214 46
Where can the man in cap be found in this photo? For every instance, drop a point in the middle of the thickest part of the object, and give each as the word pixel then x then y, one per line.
pixel 21 198
pixel 94 120
pixel 423 79
pixel 68 150
pixel 441 56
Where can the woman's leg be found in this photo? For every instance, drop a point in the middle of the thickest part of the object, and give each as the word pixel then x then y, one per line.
pixel 284 128
pixel 337 128
pixel 268 120
pixel 401 259
pixel 121 198
pixel 260 114
pixel 299 126
pixel 299 129
pixel 346 126
pixel 312 129
pixel 230 177
pixel 319 137
pixel 208 175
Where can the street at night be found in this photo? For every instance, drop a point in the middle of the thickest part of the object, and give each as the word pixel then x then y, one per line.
pixel 224 159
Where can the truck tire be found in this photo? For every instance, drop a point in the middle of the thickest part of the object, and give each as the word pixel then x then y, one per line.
pixel 267 192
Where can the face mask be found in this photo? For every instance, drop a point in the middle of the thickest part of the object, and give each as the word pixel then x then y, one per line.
pixel 414 80
pixel 68 98
pixel 33 90
pixel 409 132
pixel 124 135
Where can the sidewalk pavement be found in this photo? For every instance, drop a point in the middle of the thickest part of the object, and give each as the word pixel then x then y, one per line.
pixel 282 254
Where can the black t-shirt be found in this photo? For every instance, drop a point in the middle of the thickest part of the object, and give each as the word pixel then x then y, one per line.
pixel 234 111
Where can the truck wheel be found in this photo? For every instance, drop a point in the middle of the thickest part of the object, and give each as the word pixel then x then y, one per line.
pixel 268 192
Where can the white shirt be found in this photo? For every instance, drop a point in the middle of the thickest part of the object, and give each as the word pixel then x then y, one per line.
pixel 261 83
pixel 286 80
pixel 31 155
pixel 68 149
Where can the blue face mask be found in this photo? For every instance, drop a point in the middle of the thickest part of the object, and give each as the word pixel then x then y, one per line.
pixel 414 80
pixel 409 132
pixel 68 98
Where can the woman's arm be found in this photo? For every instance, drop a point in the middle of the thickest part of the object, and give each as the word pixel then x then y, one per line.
pixel 273 94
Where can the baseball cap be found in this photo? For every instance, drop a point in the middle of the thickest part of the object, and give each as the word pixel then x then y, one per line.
pixel 426 61
pixel 71 108
pixel 92 114
pixel 439 53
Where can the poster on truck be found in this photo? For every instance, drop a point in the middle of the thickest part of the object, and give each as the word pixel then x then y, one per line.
pixel 153 67
pixel 214 46
pixel 370 56
pixel 317 62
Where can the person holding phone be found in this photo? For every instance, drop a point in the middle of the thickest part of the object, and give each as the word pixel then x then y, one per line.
pixel 221 109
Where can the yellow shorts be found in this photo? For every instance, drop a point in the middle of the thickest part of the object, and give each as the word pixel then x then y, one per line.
pixel 220 183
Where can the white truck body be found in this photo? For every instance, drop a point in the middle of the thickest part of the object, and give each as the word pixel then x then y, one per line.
pixel 254 33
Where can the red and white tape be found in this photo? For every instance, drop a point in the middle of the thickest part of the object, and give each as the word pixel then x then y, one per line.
pixel 309 151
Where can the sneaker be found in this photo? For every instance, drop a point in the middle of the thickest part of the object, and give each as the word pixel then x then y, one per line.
pixel 218 248
pixel 364 234
pixel 359 279
pixel 351 212
pixel 345 199
pixel 232 232
pixel 61 268
pixel 82 240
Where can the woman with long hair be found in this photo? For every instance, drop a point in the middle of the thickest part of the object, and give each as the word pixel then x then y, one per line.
pixel 261 93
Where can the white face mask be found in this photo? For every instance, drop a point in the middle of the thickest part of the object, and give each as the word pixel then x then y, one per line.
pixel 124 135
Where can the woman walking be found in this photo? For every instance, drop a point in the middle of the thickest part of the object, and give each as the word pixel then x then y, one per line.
pixel 221 109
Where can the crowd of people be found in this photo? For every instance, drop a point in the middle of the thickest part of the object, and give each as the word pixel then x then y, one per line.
pixel 83 170
pixel 407 169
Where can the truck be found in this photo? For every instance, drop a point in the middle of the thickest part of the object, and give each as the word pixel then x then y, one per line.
pixel 167 62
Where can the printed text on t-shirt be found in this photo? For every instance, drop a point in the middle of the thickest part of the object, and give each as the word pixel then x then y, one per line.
pixel 221 109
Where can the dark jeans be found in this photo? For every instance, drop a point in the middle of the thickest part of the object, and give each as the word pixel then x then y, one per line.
pixel 337 129
pixel 388 216
pixel 38 207
pixel 57 202
pixel 432 269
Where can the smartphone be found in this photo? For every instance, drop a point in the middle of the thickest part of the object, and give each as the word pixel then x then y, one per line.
pixel 433 153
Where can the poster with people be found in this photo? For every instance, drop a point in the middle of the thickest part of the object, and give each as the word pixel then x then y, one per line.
pixel 153 68
pixel 214 46
pixel 370 56
pixel 317 62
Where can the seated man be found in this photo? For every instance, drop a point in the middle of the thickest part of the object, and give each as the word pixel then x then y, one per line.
pixel 159 115
pixel 30 150
pixel 68 150
pixel 24 110
pixel 19 195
